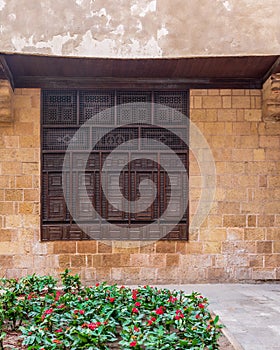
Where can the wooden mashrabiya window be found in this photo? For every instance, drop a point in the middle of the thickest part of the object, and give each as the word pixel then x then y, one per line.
pixel 62 114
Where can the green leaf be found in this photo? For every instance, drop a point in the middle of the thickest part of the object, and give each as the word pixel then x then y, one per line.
pixel 216 319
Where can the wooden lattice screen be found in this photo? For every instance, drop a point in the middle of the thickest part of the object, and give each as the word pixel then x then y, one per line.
pixel 64 111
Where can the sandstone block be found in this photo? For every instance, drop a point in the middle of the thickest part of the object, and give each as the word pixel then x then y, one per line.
pixel 165 247
pixel 270 141
pixel 227 115
pixel 259 274
pixel 212 247
pixel 86 247
pixel 211 101
pixel 157 260
pixel 78 260
pixel 139 260
pixel 234 220
pixel 253 234
pixel 264 247
pixel 103 247
pixel 62 247
pixel 172 259
pixel 272 260
pixel 253 115
pixel 241 102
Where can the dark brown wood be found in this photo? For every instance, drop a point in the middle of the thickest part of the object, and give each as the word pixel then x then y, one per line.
pixel 195 67
pixel 275 68
pixel 5 71
pixel 59 123
pixel 29 71
pixel 137 83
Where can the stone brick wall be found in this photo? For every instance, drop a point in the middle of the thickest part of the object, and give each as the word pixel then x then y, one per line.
pixel 239 240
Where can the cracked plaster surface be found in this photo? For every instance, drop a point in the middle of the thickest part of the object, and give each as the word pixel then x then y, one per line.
pixel 140 28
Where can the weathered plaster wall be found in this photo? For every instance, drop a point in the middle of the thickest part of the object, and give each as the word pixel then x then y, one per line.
pixel 140 28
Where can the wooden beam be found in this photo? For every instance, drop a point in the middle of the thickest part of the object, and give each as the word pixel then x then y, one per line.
pixel 135 83
pixel 6 70
pixel 272 69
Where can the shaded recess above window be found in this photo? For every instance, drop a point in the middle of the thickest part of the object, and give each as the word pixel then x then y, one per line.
pixel 29 71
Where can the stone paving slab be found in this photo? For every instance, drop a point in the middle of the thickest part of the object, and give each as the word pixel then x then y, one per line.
pixel 250 312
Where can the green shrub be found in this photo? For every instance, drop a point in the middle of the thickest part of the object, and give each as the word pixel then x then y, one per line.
pixel 104 316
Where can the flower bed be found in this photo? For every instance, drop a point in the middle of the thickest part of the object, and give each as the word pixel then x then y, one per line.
pixel 104 316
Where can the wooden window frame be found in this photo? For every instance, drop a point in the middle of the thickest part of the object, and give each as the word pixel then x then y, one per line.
pixel 56 221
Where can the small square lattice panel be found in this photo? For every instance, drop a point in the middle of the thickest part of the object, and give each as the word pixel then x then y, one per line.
pixel 171 108
pixel 134 108
pixel 60 107
pixel 97 106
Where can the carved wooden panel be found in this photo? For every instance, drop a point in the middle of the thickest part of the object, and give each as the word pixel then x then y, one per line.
pixel 134 107
pixel 59 107
pixel 97 104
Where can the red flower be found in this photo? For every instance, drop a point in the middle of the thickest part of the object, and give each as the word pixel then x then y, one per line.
pixel 197 317
pixel 179 315
pixel 56 341
pixel 92 325
pixel 59 330
pixel 133 344
pixel 136 329
pixel 111 300
pixel 172 299
pixel 31 295
pixel 159 311
pixel 81 312
pixel 48 312
pixel 61 306
pixel 57 295
pixel 201 306
pixel 97 284
pixel 151 321
pixel 137 303
pixel 135 310
pixel 134 294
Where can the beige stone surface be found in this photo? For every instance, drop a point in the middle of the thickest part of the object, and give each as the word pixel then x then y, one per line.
pixel 140 28
pixel 271 98
pixel 238 241
pixel 6 102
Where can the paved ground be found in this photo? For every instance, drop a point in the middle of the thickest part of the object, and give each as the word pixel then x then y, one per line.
pixel 251 312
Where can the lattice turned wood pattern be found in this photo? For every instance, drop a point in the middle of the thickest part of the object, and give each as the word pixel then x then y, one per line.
pixel 64 111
